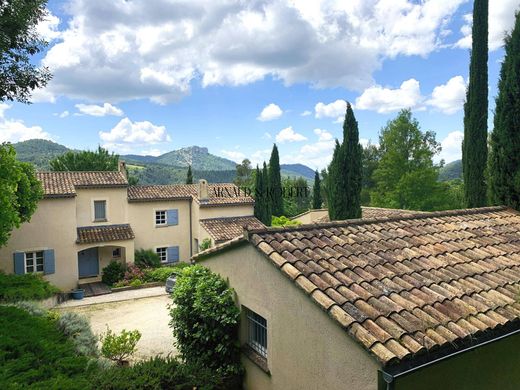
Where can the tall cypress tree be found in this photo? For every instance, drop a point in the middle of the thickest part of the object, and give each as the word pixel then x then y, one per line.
pixel 474 146
pixel 267 212
pixel 275 183
pixel 189 176
pixel 316 191
pixel 352 167
pixel 334 184
pixel 504 159
pixel 259 195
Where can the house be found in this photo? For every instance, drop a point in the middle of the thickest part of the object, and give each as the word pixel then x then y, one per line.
pixel 425 301
pixel 88 219
pixel 322 215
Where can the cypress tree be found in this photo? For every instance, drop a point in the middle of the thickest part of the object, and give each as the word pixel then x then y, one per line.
pixel 189 176
pixel 316 191
pixel 504 159
pixel 275 183
pixel 259 195
pixel 267 209
pixel 352 167
pixel 474 146
pixel 334 184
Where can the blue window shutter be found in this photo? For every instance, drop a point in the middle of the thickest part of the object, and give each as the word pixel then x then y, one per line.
pixel 172 217
pixel 19 263
pixel 172 254
pixel 48 261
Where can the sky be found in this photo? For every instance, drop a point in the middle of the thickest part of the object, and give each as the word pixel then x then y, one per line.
pixel 147 77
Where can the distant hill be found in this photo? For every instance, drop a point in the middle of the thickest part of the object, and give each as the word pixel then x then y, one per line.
pixel 451 171
pixel 297 170
pixel 39 152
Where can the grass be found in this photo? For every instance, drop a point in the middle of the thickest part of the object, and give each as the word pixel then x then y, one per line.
pixel 28 287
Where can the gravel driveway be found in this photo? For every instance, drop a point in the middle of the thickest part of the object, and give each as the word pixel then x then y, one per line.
pixel 150 315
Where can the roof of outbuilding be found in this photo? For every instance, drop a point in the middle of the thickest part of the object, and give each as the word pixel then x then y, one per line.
pixel 104 233
pixel 223 229
pixel 405 286
pixel 370 213
pixel 64 184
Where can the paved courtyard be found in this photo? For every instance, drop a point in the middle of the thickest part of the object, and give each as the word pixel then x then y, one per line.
pixel 145 310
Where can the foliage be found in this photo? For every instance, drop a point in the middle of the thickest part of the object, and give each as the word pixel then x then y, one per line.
pixel 146 258
pixel 275 183
pixel 451 171
pixel 474 146
pixel 34 353
pixel 19 42
pixel 162 273
pixel 119 347
pixel 20 192
pixel 370 161
pixel 31 307
pixel 244 174
pixel 504 161
pixel 316 191
pixel 205 244
pixel 189 176
pixel 28 287
pixel 283 221
pixel 261 208
pixel 77 328
pixel 296 199
pixel 205 321
pixel 165 174
pixel 334 181
pixel 38 152
pixel 132 273
pixel 268 212
pixel 113 272
pixel 100 160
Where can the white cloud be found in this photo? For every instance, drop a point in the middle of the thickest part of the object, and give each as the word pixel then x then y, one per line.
pixel 14 130
pixel 451 147
pixel 449 97
pixel 289 135
pixel 323 135
pixel 42 95
pixel 95 110
pixel 233 155
pixel 121 50
pixel 152 152
pixel 267 135
pixel 127 135
pixel 332 110
pixel 306 113
pixel 63 114
pixel 270 112
pixel 258 157
pixel 385 100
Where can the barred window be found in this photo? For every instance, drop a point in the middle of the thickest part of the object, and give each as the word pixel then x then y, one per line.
pixel 257 332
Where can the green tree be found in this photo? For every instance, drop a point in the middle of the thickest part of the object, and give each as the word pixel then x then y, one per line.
pixel 268 211
pixel 189 176
pixel 297 195
pixel 504 159
pixel 316 191
pixel 260 197
pixel 406 177
pixel 19 41
pixel 100 160
pixel 20 192
pixel 275 183
pixel 334 182
pixel 244 174
pixel 474 146
pixel 371 158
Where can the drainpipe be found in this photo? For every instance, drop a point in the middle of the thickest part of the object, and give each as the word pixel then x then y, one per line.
pixel 390 378
pixel 191 233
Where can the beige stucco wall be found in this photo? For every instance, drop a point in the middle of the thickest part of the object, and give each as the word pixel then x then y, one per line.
pixel 311 216
pixel 116 209
pixel 306 348
pixel 148 236
pixel 226 211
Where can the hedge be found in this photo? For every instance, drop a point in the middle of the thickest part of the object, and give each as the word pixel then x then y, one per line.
pixel 28 287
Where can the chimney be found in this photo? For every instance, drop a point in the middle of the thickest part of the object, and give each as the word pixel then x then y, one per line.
pixel 203 190
pixel 122 168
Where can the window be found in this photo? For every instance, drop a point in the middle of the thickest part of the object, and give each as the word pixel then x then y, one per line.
pixel 100 212
pixel 257 332
pixel 160 217
pixel 33 262
pixel 163 254
pixel 116 253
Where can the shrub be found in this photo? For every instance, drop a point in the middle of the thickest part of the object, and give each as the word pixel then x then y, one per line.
pixel 113 272
pixel 205 321
pixel 283 221
pixel 205 244
pixel 119 347
pixel 77 328
pixel 32 308
pixel 28 287
pixel 146 258
pixel 161 274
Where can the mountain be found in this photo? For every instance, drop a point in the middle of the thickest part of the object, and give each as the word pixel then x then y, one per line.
pixel 451 171
pixel 297 170
pixel 39 151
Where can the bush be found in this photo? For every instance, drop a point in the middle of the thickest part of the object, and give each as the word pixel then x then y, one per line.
pixel 146 258
pixel 205 244
pixel 32 308
pixel 119 347
pixel 283 221
pixel 77 328
pixel 28 287
pixel 113 272
pixel 161 274
pixel 205 321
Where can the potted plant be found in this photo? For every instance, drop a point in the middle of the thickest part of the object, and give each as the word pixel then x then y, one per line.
pixel 78 293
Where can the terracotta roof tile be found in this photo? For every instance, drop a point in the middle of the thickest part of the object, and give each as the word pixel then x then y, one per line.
pixel 64 184
pixel 223 229
pixel 91 234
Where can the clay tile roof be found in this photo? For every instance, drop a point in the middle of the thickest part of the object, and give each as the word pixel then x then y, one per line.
pixel 218 194
pixel 405 286
pixel 378 213
pixel 64 184
pixel 223 229
pixel 91 234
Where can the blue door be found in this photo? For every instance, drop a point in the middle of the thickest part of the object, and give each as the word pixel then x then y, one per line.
pixel 88 263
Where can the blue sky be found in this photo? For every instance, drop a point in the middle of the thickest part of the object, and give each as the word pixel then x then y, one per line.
pixel 149 77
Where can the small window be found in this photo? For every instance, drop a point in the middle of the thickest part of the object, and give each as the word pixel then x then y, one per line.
pixel 257 332
pixel 116 253
pixel 33 262
pixel 100 212
pixel 160 217
pixel 163 254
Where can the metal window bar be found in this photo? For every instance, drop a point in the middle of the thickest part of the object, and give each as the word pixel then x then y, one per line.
pixel 257 332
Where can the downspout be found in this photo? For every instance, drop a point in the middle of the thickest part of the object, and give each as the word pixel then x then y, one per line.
pixel 191 233
pixel 390 378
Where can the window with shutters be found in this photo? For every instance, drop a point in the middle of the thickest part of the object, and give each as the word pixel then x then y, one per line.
pixel 163 254
pixel 100 210
pixel 160 218
pixel 256 332
pixel 33 262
